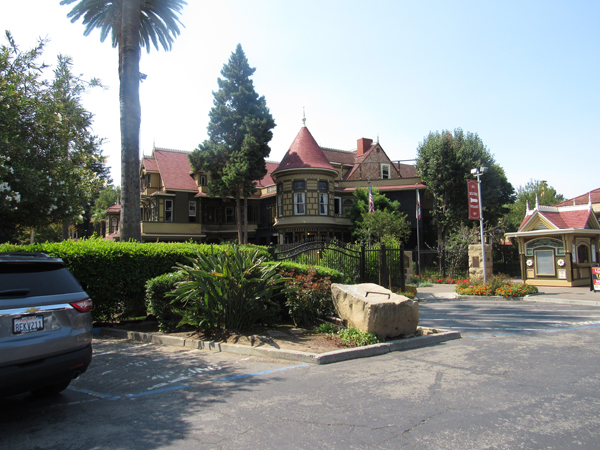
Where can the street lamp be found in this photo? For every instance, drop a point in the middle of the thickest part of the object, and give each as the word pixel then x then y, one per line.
pixel 478 172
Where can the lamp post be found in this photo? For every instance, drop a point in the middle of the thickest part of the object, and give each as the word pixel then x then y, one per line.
pixel 478 172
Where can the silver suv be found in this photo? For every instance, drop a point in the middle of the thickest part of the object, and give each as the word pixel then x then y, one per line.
pixel 45 325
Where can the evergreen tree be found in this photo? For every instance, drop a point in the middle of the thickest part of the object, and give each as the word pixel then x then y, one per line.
pixel 239 134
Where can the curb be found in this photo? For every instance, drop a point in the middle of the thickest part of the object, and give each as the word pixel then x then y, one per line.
pixel 288 355
pixel 531 298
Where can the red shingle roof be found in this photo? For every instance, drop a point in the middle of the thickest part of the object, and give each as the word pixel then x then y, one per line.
pixel 583 199
pixel 304 153
pixel 564 219
pixel 175 170
pixel 150 164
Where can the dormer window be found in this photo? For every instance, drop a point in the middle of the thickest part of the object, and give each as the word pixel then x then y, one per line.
pixel 202 180
pixel 385 171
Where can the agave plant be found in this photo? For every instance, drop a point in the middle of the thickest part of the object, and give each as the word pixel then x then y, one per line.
pixel 227 290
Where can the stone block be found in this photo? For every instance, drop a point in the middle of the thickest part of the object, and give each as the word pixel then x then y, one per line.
pixel 373 309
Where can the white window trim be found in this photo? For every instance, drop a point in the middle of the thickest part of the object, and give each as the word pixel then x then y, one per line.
pixel 280 205
pixel 323 203
pixel 192 208
pixel 389 175
pixel 299 196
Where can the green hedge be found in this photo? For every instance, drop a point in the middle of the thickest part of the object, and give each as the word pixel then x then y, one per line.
pixel 114 274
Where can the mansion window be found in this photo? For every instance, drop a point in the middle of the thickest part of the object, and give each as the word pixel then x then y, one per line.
pixel 322 185
pixel 337 206
pixel 168 210
pixel 385 171
pixel 202 180
pixel 299 203
pixel 212 214
pixel 299 185
pixel 323 203
pixel 229 214
pixel 280 205
pixel 192 211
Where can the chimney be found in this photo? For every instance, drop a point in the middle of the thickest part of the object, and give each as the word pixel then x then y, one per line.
pixel 362 145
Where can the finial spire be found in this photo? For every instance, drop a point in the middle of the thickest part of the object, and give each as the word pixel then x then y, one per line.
pixel 590 200
pixel 303 117
pixel 537 202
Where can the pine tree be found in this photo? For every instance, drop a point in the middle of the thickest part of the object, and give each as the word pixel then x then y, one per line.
pixel 239 134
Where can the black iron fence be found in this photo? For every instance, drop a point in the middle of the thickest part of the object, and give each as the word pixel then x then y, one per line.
pixel 357 262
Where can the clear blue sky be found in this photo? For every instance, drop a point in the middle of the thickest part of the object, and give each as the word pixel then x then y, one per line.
pixel 524 75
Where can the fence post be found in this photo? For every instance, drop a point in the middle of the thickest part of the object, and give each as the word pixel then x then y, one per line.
pixel 383 267
pixel 402 268
pixel 362 262
pixel 272 251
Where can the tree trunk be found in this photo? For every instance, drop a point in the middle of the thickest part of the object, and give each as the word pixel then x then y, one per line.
pixel 245 220
pixel 31 235
pixel 129 94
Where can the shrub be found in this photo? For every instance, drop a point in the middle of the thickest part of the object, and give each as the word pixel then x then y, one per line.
pixel 355 338
pixel 158 305
pixel 227 290
pixel 308 296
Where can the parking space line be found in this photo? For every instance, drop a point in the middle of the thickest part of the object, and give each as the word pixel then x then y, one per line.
pixel 94 394
pixel 156 391
pixel 521 331
pixel 237 377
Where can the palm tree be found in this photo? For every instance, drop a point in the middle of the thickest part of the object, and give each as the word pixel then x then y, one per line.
pixel 132 24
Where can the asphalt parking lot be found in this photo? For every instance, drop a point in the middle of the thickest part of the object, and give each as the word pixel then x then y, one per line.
pixel 474 318
pixel 500 390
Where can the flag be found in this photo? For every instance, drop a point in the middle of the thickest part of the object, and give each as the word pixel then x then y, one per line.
pixel 418 206
pixel 371 203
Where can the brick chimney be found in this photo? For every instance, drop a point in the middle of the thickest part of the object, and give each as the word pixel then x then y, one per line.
pixel 362 145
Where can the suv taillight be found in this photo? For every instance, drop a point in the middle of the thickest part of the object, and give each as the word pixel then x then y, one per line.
pixel 83 305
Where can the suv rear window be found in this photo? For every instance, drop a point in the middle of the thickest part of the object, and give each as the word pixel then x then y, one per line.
pixel 39 278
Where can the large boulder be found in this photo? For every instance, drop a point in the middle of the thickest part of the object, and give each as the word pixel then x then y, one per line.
pixel 373 309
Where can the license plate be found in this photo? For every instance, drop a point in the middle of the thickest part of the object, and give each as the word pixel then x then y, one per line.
pixel 28 324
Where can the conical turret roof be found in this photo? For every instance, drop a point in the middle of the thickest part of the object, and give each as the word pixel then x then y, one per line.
pixel 304 153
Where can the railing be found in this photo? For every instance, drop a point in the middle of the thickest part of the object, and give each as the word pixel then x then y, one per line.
pixel 358 264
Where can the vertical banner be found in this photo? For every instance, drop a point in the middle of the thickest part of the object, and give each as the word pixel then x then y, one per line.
pixel 473 200
pixel 418 206
pixel 595 279
pixel 371 203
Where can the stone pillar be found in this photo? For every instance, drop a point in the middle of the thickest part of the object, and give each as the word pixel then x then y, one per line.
pixel 476 261
pixel 408 265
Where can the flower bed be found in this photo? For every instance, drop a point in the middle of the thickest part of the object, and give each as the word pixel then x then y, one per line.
pixel 502 288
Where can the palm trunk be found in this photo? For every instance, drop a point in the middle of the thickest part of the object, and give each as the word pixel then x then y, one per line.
pixel 129 61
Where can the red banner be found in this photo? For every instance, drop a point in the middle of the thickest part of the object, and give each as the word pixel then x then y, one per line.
pixel 473 200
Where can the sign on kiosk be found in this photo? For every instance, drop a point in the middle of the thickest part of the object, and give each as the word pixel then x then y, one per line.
pixel 595 279
pixel 473 200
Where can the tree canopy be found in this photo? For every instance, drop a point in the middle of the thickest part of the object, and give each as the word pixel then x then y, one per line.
pixel 444 163
pixel 239 134
pixel 532 191
pixel 51 164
